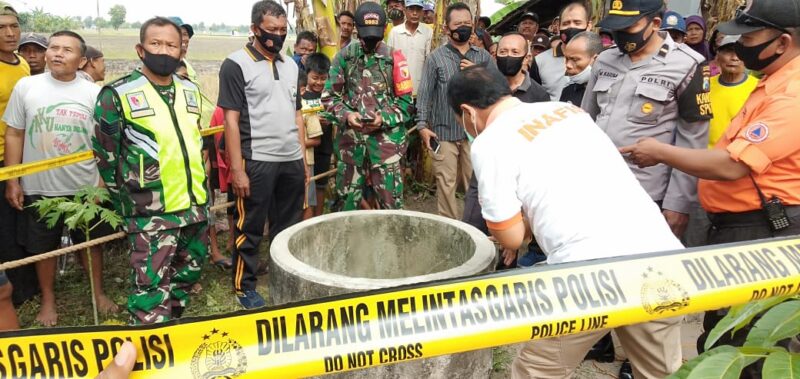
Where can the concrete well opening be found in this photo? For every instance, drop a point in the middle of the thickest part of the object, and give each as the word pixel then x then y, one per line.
pixel 362 250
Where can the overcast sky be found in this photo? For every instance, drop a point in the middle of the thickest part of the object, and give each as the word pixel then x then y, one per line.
pixel 231 12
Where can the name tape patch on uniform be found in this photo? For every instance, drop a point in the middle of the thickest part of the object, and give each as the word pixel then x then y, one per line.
pixel 757 132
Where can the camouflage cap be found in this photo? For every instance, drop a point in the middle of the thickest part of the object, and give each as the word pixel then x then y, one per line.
pixel 7 10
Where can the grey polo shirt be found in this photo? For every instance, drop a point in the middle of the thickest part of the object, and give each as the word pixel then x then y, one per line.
pixel 265 93
pixel 552 71
pixel 665 97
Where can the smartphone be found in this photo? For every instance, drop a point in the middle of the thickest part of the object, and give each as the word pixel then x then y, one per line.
pixel 435 145
pixel 367 120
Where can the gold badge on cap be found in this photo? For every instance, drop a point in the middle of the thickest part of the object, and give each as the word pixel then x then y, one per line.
pixel 616 5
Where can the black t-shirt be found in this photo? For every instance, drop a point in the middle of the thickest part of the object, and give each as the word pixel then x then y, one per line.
pixel 326 142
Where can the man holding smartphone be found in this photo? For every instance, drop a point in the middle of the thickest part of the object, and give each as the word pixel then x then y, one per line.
pixel 435 120
pixel 370 97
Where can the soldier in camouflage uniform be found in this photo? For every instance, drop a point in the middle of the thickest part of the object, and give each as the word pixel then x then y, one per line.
pixel 369 81
pixel 149 152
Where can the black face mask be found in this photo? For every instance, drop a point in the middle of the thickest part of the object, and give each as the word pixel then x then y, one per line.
pixel 277 41
pixel 570 33
pixel 160 64
pixel 395 14
pixel 629 43
pixel 461 34
pixel 370 43
pixel 749 55
pixel 509 66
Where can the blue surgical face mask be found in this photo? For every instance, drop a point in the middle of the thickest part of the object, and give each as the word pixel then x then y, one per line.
pixel 470 138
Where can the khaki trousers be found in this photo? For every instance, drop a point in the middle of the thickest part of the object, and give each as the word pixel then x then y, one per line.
pixel 452 167
pixel 654 349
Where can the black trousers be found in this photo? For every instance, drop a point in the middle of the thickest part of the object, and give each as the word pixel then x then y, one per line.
pixel 24 280
pixel 739 227
pixel 472 208
pixel 277 191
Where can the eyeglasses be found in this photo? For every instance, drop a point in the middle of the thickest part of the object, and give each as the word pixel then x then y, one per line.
pixel 743 18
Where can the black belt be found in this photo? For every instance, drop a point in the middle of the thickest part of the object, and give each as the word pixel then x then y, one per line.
pixel 751 218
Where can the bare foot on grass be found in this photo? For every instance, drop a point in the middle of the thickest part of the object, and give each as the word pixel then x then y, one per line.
pixel 47 315
pixel 106 306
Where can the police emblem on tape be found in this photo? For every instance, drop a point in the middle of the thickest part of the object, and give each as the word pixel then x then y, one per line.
pixel 757 132
pixel 218 356
pixel 661 294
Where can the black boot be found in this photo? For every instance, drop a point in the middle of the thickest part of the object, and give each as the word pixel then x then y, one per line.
pixel 626 371
pixel 603 350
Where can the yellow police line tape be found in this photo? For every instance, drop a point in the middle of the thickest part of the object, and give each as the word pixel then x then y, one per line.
pixel 420 321
pixel 19 170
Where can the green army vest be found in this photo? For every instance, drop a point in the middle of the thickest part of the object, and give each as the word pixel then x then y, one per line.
pixel 168 136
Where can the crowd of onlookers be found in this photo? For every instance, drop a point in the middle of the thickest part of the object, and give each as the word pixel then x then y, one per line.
pixel 649 78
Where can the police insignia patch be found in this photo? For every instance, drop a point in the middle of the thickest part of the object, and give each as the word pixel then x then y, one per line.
pixel 672 20
pixel 630 46
pixel 757 132
pixel 192 104
pixel 616 5
pixel 647 108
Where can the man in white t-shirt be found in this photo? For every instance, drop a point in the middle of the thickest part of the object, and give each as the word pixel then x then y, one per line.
pixel 48 116
pixel 549 166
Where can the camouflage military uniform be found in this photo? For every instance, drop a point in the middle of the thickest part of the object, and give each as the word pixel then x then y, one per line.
pixel 364 83
pixel 168 246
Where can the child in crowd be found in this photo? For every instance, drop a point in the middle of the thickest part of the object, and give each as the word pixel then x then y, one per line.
pixel 317 67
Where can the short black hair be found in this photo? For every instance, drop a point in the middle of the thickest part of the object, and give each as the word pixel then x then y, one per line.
pixel 68 33
pixel 345 13
pixel 302 79
pixel 265 8
pixel 574 4
pixel 455 7
pixel 515 33
pixel 478 86
pixel 486 21
pixel 306 35
pixel 318 62
pixel 157 21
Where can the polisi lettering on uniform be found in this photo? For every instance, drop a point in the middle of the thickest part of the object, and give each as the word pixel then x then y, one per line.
pixel 658 81
pixel 530 129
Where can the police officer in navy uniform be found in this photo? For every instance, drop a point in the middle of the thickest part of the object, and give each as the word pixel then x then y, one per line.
pixel 650 86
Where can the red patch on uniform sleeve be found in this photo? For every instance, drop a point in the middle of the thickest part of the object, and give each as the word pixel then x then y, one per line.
pixel 401 74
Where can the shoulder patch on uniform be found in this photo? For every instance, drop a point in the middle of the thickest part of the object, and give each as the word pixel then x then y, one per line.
pixel 690 52
pixel 757 133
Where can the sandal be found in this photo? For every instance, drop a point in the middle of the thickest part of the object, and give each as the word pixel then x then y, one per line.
pixel 223 264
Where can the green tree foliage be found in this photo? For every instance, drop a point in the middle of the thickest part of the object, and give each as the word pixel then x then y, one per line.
pixel 88 22
pixel 117 14
pixel 42 22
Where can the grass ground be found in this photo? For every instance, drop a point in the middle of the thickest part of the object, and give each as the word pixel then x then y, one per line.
pixel 120 45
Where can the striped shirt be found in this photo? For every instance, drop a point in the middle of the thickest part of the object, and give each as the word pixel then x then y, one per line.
pixel 433 110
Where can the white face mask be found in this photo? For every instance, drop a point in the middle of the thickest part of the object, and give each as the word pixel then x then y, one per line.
pixel 583 77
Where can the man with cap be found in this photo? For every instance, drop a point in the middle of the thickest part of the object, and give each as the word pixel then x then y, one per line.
pixel 548 69
pixel 729 90
pixel 370 98
pixel 528 25
pixel 94 69
pixel 32 47
pixel 651 87
pixel 675 25
pixel 429 13
pixel 12 68
pixel 187 32
pixel 749 182
pixel 413 39
pixel 539 44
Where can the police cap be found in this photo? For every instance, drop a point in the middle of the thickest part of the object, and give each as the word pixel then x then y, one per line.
pixel 624 13
pixel 762 14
